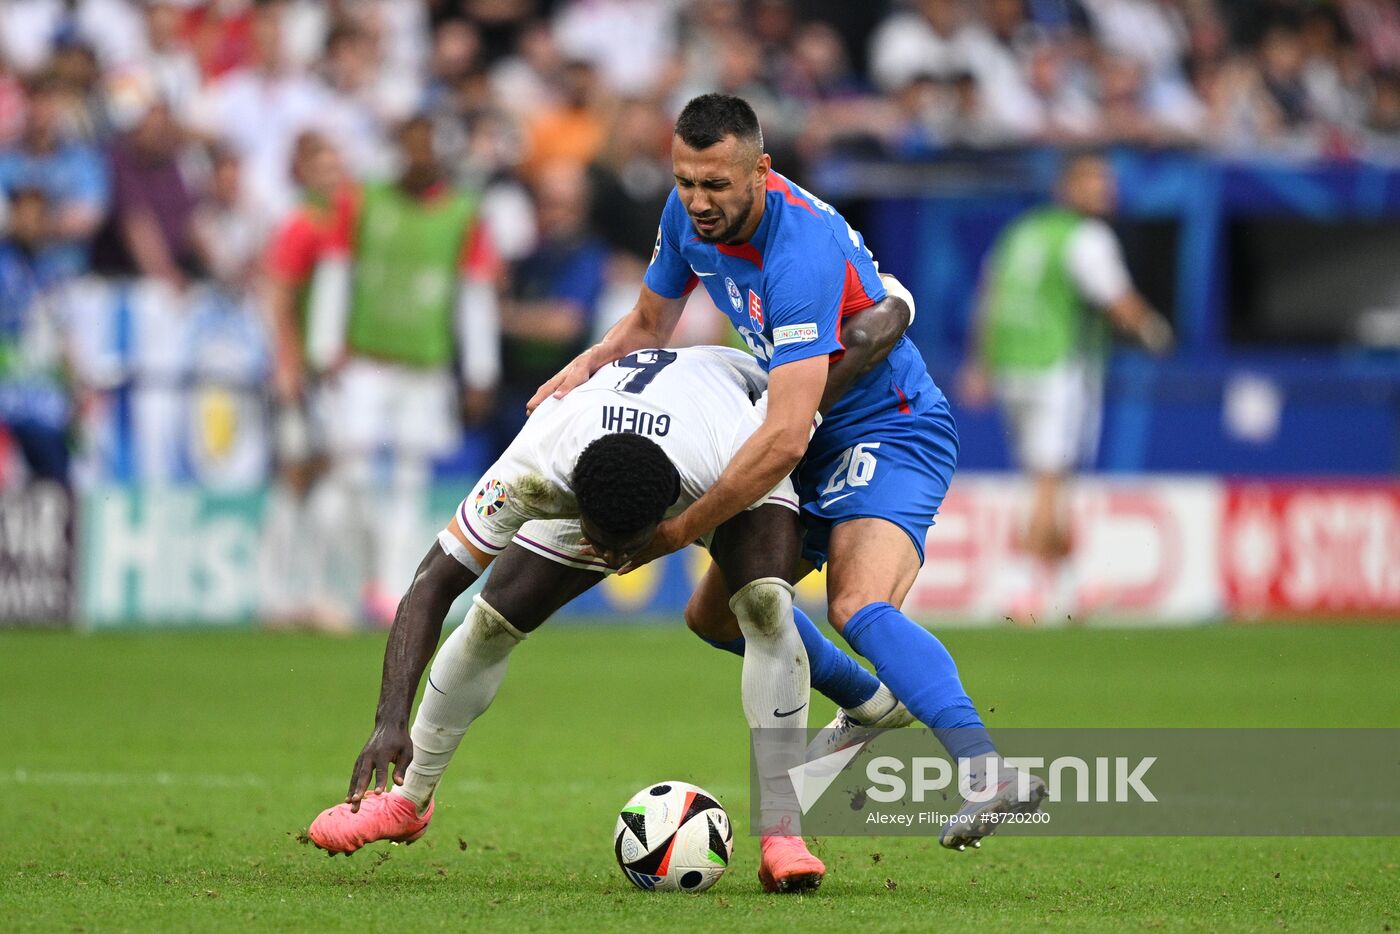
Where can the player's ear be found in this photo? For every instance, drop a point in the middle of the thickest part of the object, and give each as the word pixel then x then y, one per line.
pixel 765 162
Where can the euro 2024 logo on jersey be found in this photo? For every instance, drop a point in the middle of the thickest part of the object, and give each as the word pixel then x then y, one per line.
pixel 755 311
pixel 735 298
pixel 490 498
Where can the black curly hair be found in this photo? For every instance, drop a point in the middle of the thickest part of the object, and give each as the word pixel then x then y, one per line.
pixel 709 118
pixel 624 483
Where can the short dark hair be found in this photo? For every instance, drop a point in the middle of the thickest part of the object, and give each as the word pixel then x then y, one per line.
pixel 709 118
pixel 624 483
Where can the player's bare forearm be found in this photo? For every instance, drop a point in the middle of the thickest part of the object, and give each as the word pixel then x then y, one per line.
pixel 757 467
pixel 440 579
pixel 1134 315
pixel 769 455
pixel 650 323
pixel 868 335
pixel 438 582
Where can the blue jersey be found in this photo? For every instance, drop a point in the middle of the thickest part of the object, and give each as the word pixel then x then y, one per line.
pixel 786 291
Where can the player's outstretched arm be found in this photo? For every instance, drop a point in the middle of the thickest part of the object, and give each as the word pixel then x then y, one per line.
pixel 439 580
pixel 650 323
pixel 868 335
pixel 765 458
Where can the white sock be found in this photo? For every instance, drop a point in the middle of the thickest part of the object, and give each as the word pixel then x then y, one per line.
pixel 777 680
pixel 462 682
pixel 880 703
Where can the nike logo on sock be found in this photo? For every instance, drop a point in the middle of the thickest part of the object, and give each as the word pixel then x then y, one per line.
pixel 434 686
pixel 778 713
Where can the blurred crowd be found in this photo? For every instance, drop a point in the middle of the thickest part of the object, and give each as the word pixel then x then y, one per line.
pixel 204 149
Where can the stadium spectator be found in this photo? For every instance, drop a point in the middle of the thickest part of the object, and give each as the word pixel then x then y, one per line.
pixel 163 68
pixel 70 174
pixel 12 105
pixel 228 230
pixel 1264 101
pixel 78 78
pixel 361 104
pixel 588 30
pixel 150 231
pixel 1054 283
pixel 929 40
pixel 553 297
pixel 259 109
pixel 631 179
pixel 573 130
pixel 527 80
pixel 1333 73
pixel 35 407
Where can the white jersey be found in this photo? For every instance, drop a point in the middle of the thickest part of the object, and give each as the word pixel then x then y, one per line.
pixel 696 403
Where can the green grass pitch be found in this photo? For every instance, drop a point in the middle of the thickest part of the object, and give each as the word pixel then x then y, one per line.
pixel 161 781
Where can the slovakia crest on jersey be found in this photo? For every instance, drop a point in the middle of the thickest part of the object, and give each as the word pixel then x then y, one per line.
pixel 755 310
pixel 735 298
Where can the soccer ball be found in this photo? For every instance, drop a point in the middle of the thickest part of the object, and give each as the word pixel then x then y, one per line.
pixel 673 837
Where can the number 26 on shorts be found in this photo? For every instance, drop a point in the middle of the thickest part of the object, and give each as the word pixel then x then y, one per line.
pixel 856 467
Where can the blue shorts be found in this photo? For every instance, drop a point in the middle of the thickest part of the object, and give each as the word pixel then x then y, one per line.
pixel 897 467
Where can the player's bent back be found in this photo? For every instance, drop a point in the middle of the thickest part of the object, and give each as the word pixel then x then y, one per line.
pixel 696 403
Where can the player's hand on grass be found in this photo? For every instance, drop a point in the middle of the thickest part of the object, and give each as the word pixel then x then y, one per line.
pixel 387 745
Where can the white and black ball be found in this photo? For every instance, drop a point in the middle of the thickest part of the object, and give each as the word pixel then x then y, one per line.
pixel 673 837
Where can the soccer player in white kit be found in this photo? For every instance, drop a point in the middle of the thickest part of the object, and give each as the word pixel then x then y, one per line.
pixel 584 484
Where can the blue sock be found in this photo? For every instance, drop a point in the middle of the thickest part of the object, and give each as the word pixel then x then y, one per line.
pixel 918 669
pixel 834 673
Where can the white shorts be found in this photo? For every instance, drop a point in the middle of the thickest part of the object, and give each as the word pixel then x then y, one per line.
pixel 1054 415
pixel 371 405
pixel 559 540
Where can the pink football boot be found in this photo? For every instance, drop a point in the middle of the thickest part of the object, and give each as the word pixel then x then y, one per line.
pixel 787 865
pixel 380 817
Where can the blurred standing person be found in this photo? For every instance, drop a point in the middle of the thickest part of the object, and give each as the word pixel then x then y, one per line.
pixel 296 550
pixel 150 232
pixel 553 297
pixel 631 179
pixel 71 175
pixel 576 129
pixel 165 66
pixel 1054 283
pixel 258 111
pixel 35 405
pixel 228 230
pixel 362 103
pixel 409 291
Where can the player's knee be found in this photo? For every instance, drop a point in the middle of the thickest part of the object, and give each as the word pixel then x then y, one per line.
pixel 709 618
pixel 763 606
pixel 484 625
pixel 841 608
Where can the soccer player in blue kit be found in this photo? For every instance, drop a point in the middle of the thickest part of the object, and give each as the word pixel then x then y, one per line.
pixel 786 268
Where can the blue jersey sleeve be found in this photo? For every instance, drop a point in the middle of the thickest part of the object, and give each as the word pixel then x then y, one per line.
pixel 669 275
pixel 804 293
